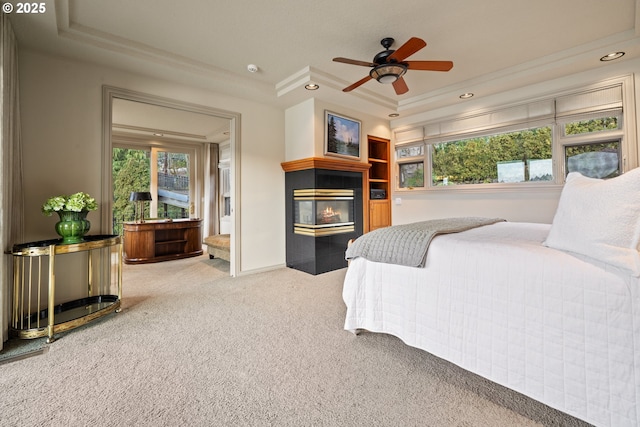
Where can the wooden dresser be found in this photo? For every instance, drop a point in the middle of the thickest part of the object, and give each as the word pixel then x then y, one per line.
pixel 162 240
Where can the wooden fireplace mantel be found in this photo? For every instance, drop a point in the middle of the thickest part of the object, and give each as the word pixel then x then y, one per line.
pixel 337 165
pixel 325 163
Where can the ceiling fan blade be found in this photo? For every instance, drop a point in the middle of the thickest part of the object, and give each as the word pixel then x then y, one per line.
pixel 354 62
pixel 412 45
pixel 356 84
pixel 429 65
pixel 400 86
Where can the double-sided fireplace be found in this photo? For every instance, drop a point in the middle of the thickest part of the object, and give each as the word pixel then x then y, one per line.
pixel 324 209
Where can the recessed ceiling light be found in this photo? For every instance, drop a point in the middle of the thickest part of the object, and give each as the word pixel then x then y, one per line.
pixel 311 86
pixel 158 134
pixel 466 95
pixel 394 115
pixel 611 56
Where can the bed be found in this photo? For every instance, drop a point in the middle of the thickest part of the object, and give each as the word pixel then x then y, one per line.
pixel 510 302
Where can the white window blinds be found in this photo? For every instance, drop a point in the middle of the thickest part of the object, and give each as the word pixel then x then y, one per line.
pixel 607 98
pixel 601 99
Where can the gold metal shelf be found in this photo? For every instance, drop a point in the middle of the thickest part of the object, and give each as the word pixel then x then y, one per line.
pixel 35 283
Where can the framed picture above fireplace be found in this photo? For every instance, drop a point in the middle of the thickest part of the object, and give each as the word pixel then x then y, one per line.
pixel 341 136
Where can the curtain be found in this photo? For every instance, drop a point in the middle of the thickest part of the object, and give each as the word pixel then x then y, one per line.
pixel 11 198
pixel 211 224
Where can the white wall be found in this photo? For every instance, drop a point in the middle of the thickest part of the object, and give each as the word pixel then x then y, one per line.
pixel 525 205
pixel 299 131
pixel 370 126
pixel 305 128
pixel 61 110
pixel 538 206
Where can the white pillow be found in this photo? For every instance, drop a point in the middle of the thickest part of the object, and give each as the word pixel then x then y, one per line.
pixel 600 219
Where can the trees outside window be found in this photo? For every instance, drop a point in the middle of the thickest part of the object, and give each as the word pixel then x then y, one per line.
pixel 131 172
pixel 533 143
pixel 509 157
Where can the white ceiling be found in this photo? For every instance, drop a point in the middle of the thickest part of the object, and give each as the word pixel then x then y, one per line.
pixel 156 122
pixel 495 45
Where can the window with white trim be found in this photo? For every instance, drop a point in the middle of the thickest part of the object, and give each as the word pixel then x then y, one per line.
pixel 410 166
pixel 536 144
pixel 592 144
pixel 508 157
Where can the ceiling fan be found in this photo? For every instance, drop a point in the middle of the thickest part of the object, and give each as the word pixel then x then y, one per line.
pixel 389 65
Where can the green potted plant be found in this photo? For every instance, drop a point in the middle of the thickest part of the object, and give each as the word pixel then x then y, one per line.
pixel 72 210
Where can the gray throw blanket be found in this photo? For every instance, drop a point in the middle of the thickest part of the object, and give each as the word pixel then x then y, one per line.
pixel 407 244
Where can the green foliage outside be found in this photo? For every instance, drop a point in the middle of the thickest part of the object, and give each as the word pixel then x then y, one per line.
pixel 171 163
pixel 412 175
pixel 174 212
pixel 595 125
pixel 131 172
pixel 475 160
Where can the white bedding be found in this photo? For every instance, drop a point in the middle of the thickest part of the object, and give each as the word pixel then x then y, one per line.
pixel 562 329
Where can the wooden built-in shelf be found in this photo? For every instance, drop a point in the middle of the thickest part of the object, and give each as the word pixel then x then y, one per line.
pixel 379 178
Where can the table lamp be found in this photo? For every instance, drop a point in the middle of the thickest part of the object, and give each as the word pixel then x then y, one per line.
pixel 139 197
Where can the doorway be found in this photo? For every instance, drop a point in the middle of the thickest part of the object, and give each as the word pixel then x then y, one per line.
pixel 179 141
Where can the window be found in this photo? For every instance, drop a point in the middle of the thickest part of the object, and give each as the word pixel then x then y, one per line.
pixel 595 160
pixel 593 145
pixel 411 175
pixel 501 158
pixel 167 172
pixel 592 125
pixel 131 168
pixel 410 166
pixel 173 185
pixel 535 143
pixel 414 151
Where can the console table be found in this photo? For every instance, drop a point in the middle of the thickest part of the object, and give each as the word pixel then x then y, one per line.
pixel 161 240
pixel 34 283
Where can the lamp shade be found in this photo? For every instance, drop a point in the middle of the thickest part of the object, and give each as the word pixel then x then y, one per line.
pixel 388 73
pixel 140 196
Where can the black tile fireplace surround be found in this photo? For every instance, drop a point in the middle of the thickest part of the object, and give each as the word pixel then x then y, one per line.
pixel 320 253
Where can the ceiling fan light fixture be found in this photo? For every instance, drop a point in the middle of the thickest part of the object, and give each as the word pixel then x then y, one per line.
pixel 388 73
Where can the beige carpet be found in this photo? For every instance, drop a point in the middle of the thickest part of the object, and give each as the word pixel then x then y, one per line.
pixel 193 347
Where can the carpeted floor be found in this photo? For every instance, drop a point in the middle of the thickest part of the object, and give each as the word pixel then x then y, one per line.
pixel 195 347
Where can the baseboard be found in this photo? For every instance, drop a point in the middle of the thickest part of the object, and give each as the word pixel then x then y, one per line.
pixel 262 269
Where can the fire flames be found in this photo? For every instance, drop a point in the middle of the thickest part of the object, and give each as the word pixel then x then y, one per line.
pixel 328 215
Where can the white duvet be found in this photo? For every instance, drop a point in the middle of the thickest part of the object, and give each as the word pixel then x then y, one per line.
pixel 561 329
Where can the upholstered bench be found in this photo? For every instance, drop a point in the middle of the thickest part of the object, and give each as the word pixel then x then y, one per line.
pixel 218 246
